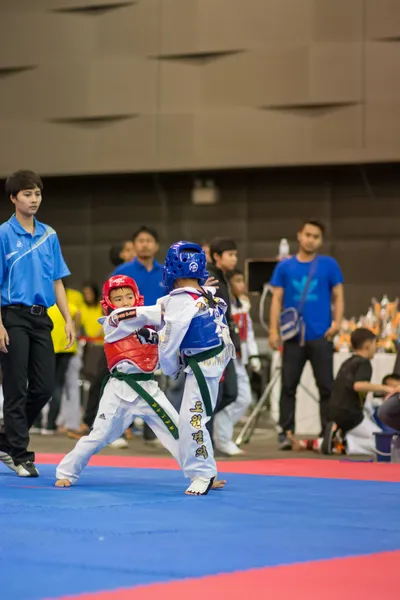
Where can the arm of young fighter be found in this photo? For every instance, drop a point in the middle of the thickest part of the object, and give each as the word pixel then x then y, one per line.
pixel 124 321
pixel 178 315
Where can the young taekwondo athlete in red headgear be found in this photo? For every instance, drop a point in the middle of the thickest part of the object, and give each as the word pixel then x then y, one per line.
pixel 114 283
pixel 130 348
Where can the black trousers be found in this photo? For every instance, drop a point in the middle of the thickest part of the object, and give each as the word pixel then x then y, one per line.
pixel 28 377
pixel 94 393
pixel 62 362
pixel 227 393
pixel 228 389
pixel 320 354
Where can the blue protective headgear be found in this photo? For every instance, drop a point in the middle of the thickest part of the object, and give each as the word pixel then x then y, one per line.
pixel 187 260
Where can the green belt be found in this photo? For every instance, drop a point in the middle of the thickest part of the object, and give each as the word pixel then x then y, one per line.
pixel 193 363
pixel 132 380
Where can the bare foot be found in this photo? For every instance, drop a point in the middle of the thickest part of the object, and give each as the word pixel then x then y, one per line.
pixel 63 483
pixel 218 484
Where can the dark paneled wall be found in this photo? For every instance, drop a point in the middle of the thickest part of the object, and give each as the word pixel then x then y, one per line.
pixel 360 207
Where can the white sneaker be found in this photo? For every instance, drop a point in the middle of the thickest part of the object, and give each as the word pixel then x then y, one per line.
pixel 47 432
pixel 8 461
pixel 119 444
pixel 229 448
pixel 35 431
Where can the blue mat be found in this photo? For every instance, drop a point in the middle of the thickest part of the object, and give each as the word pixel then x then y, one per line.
pixel 124 527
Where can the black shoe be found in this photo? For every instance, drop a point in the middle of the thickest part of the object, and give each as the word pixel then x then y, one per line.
pixel 284 442
pixel 27 469
pixel 333 442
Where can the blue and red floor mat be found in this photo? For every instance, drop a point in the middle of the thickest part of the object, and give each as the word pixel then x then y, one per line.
pixel 300 529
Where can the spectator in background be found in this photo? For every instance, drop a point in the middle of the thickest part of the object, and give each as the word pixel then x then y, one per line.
pixel 206 248
pixel 350 424
pixel 63 356
pixel 70 412
pixel 144 268
pixel 122 253
pixel 324 294
pixel 90 312
pixel 224 259
pixel 93 353
pixel 226 419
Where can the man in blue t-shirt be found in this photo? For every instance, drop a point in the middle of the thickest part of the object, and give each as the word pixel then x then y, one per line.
pixel 322 314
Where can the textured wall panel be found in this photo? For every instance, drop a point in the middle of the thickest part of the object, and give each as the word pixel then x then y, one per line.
pixel 12 52
pixel 338 20
pixel 382 19
pixel 195 26
pixel 110 88
pixel 109 85
pixel 382 81
pixel 382 126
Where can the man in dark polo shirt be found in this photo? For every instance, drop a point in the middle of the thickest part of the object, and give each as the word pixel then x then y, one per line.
pixel 31 270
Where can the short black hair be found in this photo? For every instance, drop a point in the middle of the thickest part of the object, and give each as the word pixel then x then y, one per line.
pixel 95 289
pixel 314 223
pixel 360 336
pixel 394 376
pixel 232 273
pixel 221 245
pixel 115 255
pixel 22 180
pixel 144 229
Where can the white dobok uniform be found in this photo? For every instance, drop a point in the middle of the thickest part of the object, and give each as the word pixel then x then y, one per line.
pixel 128 360
pixel 195 338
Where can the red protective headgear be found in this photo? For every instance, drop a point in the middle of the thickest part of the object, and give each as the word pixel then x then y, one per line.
pixel 119 281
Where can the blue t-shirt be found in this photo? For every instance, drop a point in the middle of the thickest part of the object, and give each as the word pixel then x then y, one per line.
pixel 29 264
pixel 291 275
pixel 149 282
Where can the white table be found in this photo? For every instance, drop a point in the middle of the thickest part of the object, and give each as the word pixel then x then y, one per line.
pixel 307 408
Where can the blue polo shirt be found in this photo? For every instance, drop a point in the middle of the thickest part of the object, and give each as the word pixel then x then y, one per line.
pixel 149 282
pixel 29 264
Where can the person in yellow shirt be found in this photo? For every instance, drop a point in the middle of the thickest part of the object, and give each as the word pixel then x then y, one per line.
pixel 63 356
pixel 70 412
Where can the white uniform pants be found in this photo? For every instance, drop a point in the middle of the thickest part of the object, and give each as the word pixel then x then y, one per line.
pixel 195 447
pixel 70 413
pixel 119 405
pixel 226 419
pixel 361 439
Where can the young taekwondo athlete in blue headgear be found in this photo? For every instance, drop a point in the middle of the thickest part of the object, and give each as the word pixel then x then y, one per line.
pixel 195 337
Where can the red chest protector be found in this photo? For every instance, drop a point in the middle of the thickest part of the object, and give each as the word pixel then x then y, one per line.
pixel 144 356
pixel 242 325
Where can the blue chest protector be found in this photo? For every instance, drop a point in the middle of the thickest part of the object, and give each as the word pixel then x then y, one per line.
pixel 202 332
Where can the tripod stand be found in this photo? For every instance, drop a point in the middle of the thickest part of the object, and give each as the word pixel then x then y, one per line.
pixel 263 403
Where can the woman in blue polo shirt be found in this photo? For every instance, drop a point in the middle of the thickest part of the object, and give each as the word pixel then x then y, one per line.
pixel 31 270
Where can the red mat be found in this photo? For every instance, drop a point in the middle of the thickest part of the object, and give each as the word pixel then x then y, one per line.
pixel 368 577
pixel 286 467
